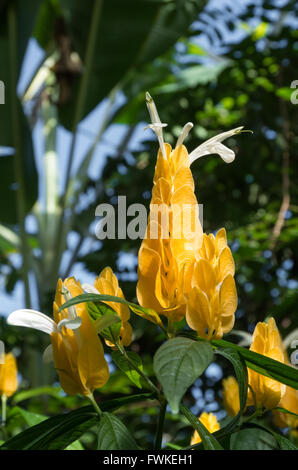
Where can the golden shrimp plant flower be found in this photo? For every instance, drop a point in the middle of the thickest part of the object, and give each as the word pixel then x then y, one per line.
pixel 212 299
pixel 8 376
pixel 107 283
pixel 210 422
pixel 230 393
pixel 170 261
pixel 264 391
pixel 75 346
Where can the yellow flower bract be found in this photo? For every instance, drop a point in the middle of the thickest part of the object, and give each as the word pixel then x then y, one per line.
pixel 266 341
pixel 78 354
pixel 210 422
pixel 164 262
pixel 190 274
pixel 8 375
pixel 230 395
pixel 107 283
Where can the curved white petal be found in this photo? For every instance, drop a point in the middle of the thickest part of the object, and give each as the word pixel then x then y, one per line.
pixel 224 152
pixel 184 133
pixel 90 289
pixel 72 324
pixel 214 145
pixel 48 355
pixel 32 319
pixel 156 125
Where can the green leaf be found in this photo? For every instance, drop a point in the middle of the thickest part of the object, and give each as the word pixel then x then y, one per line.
pixel 283 410
pixel 208 440
pixel 147 313
pixel 264 365
pixel 29 418
pixel 127 368
pixel 113 434
pixel 283 442
pixel 35 392
pixel 25 17
pixel 192 77
pixel 178 363
pixel 241 375
pixel 130 34
pixel 107 322
pixel 76 445
pixel 253 439
pixel 60 431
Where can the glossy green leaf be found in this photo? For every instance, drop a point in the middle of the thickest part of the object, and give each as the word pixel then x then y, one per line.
pixel 130 34
pixel 127 368
pixel 147 313
pixel 60 431
pixel 114 435
pixel 264 365
pixel 178 363
pixel 241 375
pixel 253 439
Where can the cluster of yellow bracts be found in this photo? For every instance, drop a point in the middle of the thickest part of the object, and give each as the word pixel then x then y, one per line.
pixel 190 275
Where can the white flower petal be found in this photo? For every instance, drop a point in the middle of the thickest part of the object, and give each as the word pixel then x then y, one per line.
pixel 184 133
pixel 72 324
pixel 214 145
pixel 90 289
pixel 156 125
pixel 152 109
pixel 48 355
pixel 32 319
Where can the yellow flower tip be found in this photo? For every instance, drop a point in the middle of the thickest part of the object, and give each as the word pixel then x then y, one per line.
pixel 210 422
pixel 266 341
pixel 8 375
pixel 230 395
pixel 107 283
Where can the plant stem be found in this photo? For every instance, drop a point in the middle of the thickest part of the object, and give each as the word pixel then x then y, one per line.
pixel 147 380
pixel 97 409
pixel 160 424
pixel 3 423
pixel 17 143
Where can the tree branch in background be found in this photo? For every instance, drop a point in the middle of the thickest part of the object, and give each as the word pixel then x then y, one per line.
pixel 285 171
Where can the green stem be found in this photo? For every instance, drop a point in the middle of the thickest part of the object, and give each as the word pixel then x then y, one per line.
pixel 160 425
pixel 3 421
pixel 256 413
pixel 17 142
pixel 147 380
pixel 171 330
pixel 97 409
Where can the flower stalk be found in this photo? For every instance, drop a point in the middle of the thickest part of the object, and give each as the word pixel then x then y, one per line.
pixel 94 403
pixel 147 380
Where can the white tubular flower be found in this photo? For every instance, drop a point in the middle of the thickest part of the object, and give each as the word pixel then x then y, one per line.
pixel 32 319
pixel 184 133
pixel 214 145
pixel 156 125
pixel 89 289
pixel 39 321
